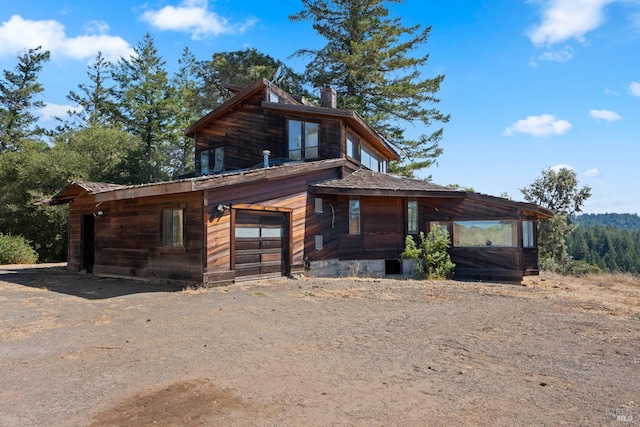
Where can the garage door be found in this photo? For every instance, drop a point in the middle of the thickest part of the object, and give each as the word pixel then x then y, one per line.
pixel 260 244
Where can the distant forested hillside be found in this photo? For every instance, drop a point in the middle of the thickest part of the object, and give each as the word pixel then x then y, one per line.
pixel 611 248
pixel 626 221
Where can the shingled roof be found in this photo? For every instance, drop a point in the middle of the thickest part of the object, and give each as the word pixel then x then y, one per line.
pixel 367 180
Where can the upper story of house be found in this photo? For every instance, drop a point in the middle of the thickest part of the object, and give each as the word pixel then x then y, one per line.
pixel 262 118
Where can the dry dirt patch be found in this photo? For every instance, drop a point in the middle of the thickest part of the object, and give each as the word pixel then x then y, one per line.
pixel 78 350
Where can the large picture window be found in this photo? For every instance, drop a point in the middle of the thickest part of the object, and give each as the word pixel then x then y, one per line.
pixel 501 234
pixel 172 228
pixel 303 140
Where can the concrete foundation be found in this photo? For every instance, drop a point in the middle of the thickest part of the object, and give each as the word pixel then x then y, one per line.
pixel 356 268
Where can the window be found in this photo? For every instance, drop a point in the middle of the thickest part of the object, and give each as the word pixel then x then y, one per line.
pixel 204 163
pixel 354 216
pixel 218 160
pixel 369 159
pixel 353 146
pixel 412 217
pixel 319 242
pixel 318 205
pixel 303 140
pixel 501 234
pixel 172 228
pixel 527 234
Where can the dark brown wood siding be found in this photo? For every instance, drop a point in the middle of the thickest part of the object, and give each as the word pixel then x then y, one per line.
pixel 128 238
pixel 248 129
pixel 382 228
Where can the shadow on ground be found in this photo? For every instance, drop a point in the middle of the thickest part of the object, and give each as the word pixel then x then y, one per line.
pixel 56 278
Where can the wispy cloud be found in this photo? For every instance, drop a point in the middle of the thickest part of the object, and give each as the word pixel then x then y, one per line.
pixel 607 115
pixel 544 125
pixel 634 88
pixel 564 20
pixel 562 55
pixel 51 111
pixel 18 34
pixel 591 173
pixel 193 16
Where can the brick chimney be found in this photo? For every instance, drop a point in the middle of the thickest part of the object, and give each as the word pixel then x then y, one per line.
pixel 328 97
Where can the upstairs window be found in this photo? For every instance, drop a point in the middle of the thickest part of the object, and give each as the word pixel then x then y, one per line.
pixel 204 163
pixel 353 146
pixel 303 140
pixel 172 228
pixel 369 159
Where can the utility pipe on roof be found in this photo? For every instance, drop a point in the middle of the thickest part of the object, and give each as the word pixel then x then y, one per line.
pixel 266 154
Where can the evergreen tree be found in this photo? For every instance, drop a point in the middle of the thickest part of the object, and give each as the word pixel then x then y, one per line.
pixel 146 106
pixel 18 92
pixel 186 84
pixel 367 60
pixel 96 100
pixel 242 67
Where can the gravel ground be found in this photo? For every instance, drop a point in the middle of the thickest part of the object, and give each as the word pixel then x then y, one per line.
pixel 76 350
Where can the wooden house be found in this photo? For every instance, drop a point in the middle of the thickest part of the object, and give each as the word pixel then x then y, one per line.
pixel 286 187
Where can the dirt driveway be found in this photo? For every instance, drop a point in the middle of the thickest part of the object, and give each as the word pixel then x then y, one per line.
pixel 77 351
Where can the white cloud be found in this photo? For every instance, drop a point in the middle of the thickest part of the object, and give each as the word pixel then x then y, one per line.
pixel 563 55
pixel 543 125
pixel 591 173
pixel 634 88
pixel 97 27
pixel 607 115
pixel 568 19
pixel 194 17
pixel 18 34
pixel 51 111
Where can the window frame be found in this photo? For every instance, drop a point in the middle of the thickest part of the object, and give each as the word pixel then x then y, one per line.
pixel 355 214
pixel 172 218
pixel 305 135
pixel 477 227
pixel 528 234
pixel 412 216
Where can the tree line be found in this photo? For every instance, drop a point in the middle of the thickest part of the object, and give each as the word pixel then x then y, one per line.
pixel 128 126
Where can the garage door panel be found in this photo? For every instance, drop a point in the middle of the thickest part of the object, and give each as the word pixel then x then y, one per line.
pixel 248 245
pixel 248 258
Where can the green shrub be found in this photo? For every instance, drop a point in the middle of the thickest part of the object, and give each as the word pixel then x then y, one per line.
pixel 432 256
pixel 16 250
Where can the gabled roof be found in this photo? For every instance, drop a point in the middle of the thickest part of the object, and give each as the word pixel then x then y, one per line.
pixel 293 105
pixel 238 98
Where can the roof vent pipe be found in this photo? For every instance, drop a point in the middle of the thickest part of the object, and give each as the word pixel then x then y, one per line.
pixel 266 154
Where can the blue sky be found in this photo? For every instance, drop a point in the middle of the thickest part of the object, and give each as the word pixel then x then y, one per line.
pixel 530 84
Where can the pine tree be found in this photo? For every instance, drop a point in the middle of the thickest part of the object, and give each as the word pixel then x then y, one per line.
pixel 146 107
pixel 242 67
pixel 18 92
pixel 367 60
pixel 96 100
